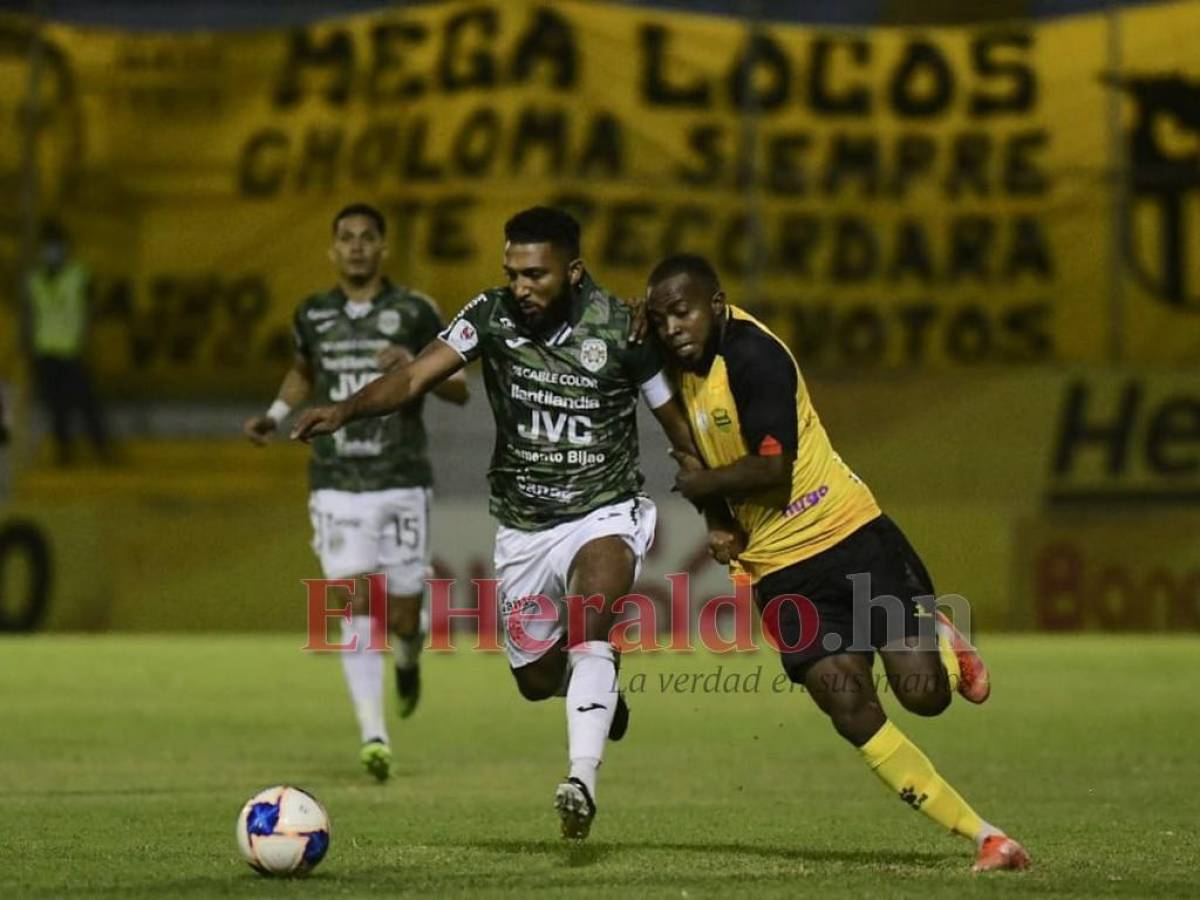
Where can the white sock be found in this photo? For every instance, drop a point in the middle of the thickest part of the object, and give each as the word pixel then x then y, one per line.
pixel 988 830
pixel 591 702
pixel 406 651
pixel 364 677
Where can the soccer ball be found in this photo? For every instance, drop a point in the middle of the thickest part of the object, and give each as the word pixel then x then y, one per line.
pixel 283 831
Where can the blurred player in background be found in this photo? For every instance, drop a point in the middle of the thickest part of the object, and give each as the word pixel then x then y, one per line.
pixel 563 378
pixel 56 330
pixel 811 525
pixel 370 482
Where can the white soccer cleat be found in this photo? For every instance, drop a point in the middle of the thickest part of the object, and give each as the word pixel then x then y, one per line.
pixel 575 808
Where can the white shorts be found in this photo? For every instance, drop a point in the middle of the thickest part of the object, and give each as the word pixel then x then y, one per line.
pixel 539 562
pixel 358 533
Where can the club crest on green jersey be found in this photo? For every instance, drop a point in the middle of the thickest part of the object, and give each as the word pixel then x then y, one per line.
pixel 593 353
pixel 389 321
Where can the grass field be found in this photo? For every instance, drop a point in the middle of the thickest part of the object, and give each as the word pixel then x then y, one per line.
pixel 124 761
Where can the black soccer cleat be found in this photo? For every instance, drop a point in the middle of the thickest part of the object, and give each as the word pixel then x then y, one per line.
pixel 620 719
pixel 408 690
pixel 576 809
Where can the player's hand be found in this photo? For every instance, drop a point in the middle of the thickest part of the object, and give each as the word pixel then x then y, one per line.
pixel 692 485
pixel 726 545
pixel 259 429
pixel 318 420
pixel 393 356
pixel 639 324
pixel 687 462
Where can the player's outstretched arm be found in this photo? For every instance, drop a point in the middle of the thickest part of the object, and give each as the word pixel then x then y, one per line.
pixel 293 391
pixel 454 389
pixel 399 386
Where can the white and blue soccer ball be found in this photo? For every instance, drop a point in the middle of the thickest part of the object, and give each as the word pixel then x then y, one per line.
pixel 283 831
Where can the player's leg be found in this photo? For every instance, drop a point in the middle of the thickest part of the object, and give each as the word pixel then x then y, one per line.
pixel 404 554
pixel 346 542
pixel 611 545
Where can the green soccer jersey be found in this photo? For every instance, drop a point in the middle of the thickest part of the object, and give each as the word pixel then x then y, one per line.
pixel 340 340
pixel 565 404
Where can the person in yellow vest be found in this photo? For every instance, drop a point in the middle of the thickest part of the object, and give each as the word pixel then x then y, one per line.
pixel 835 579
pixel 56 296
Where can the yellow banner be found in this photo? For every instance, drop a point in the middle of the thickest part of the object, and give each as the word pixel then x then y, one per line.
pixel 934 197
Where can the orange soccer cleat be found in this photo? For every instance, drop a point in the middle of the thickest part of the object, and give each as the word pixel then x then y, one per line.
pixel 973 681
pixel 998 851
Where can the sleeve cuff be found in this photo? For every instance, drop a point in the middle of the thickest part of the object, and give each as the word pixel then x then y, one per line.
pixel 657 391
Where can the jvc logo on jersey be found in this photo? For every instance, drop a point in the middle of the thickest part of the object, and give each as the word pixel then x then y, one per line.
pixel 350 383
pixel 578 429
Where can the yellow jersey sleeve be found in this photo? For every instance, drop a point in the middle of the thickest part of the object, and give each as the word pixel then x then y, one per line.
pixel 753 400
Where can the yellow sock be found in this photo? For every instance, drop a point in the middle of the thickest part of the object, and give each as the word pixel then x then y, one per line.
pixel 949 659
pixel 908 771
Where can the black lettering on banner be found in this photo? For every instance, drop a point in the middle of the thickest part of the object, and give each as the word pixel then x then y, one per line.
pixel 705 141
pixel 1174 429
pixel 544 129
pixel 856 251
pixel 785 163
pixel 1016 78
pixel 915 154
pixel 548 41
pixel 603 152
pixel 761 57
pixel 968 336
pixel 1022 177
pixel 626 243
pixel 262 166
pixel 1029 326
pixel 477 142
pixel 854 100
pixel 17 538
pixel 374 153
pixel 1113 435
pixel 657 88
pixel 449 237
pixel 798 238
pixel 915 321
pixel 862 336
pixel 968 170
pixel 911 254
pixel 923 84
pixel 466 61
pixel 334 56
pixel 971 239
pixel 680 220
pixel 740 244
pixel 853 157
pixel 417 167
pixel 318 164
pixel 1028 251
pixel 390 43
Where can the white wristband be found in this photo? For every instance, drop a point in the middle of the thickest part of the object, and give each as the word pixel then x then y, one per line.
pixel 278 411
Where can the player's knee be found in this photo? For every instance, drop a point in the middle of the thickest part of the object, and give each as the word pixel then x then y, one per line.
pixel 857 722
pixel 932 700
pixel 534 687
pixel 924 695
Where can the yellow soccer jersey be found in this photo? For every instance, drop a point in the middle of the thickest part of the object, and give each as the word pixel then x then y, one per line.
pixel 752 400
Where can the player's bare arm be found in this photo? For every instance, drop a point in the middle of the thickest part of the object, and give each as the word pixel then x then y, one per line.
pixel 293 391
pixel 435 364
pixel 453 390
pixel 749 476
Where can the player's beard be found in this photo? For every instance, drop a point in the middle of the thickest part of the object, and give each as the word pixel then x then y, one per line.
pixel 553 315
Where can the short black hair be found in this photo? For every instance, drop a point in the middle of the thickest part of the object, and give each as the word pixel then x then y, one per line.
pixel 361 209
pixel 544 225
pixel 686 263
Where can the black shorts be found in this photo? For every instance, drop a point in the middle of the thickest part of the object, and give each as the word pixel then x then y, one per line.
pixel 825 617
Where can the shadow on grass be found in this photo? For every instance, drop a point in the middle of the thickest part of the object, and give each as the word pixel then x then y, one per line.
pixel 584 854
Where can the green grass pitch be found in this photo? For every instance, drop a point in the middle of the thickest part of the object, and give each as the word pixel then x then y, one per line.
pixel 124 761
